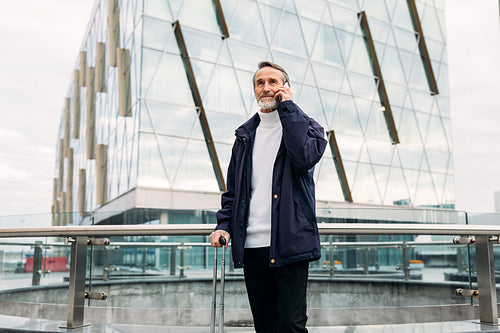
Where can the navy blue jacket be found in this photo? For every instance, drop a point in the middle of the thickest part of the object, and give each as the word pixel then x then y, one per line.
pixel 294 233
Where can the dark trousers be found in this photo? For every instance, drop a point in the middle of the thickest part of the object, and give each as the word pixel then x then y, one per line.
pixel 277 295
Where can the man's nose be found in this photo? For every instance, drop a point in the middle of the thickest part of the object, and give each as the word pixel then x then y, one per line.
pixel 266 87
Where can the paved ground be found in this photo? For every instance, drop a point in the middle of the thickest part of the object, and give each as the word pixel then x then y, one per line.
pixel 18 324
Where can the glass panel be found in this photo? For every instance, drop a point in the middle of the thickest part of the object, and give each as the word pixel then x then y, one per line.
pixel 349 146
pixel 223 93
pixel 151 166
pixel 196 170
pixel 376 8
pixel 362 85
pixel 436 136
pixel 405 39
pixel 345 40
pixel 244 26
pixel 425 194
pixel 246 56
pixel 329 100
pixel 326 48
pixel 391 67
pixel 310 30
pixel 289 37
pixel 418 78
pixel 294 66
pixel 311 104
pixel 159 9
pixel 327 180
pixel 164 78
pixel 199 14
pixel 408 129
pixel 276 3
pixel 411 157
pixel 381 175
pixel 172 151
pixel 328 77
pixel 346 118
pixel 168 119
pixel 397 94
pixel 203 72
pixel 396 190
pixel 379 30
pixel 430 23
pixel 223 125
pixel 20 256
pixel 401 16
pixel 365 188
pixel 228 7
pixel 224 154
pixel 380 151
pixel 343 18
pixel 435 49
pixel 248 95
pixel 311 9
pixel 202 45
pixel 359 59
pixel 270 18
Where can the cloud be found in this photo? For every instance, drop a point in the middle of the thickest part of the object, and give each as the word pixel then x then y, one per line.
pixel 38 51
pixel 474 66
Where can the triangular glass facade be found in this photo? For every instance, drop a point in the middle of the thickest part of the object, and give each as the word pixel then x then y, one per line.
pixel 161 141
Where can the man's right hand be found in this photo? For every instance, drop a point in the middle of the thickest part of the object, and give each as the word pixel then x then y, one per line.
pixel 214 238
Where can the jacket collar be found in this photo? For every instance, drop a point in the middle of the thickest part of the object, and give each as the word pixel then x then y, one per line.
pixel 246 130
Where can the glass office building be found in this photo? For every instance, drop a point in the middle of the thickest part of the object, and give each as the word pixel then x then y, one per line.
pixel 160 85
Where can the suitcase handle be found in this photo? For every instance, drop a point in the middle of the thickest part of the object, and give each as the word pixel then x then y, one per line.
pixel 222 240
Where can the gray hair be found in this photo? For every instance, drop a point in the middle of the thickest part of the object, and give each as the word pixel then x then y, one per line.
pixel 263 64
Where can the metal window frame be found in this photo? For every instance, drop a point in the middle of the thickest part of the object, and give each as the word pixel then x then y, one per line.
pixel 199 105
pixel 422 47
pixel 379 81
pixel 219 14
pixel 339 166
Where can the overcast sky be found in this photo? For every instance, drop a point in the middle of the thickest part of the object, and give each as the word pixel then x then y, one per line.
pixel 40 42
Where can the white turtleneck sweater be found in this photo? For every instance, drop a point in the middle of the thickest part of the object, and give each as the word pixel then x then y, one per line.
pixel 265 149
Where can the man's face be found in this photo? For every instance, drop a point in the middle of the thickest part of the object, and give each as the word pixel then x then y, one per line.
pixel 267 81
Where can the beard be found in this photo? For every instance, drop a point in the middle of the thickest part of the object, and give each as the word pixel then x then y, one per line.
pixel 266 104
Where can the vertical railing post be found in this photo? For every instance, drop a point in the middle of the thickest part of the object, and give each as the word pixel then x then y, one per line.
pixel 181 262
pixel 406 262
pixel 105 264
pixel 144 259
pixel 365 259
pixel 76 292
pixel 37 264
pixel 488 312
pixel 331 262
pixel 173 250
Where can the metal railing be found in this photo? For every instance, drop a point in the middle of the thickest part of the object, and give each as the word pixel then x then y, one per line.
pixel 80 237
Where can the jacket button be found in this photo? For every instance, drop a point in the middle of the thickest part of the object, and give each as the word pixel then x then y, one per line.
pixel 273 261
pixel 242 201
pixel 275 196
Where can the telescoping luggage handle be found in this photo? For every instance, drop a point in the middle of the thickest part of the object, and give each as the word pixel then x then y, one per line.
pixel 222 241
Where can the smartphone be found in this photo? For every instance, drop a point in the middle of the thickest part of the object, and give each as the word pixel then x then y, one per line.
pixel 278 99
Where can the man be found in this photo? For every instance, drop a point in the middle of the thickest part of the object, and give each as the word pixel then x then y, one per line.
pixel 268 209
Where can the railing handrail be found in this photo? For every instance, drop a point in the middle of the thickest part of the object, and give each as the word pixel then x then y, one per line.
pixel 205 229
